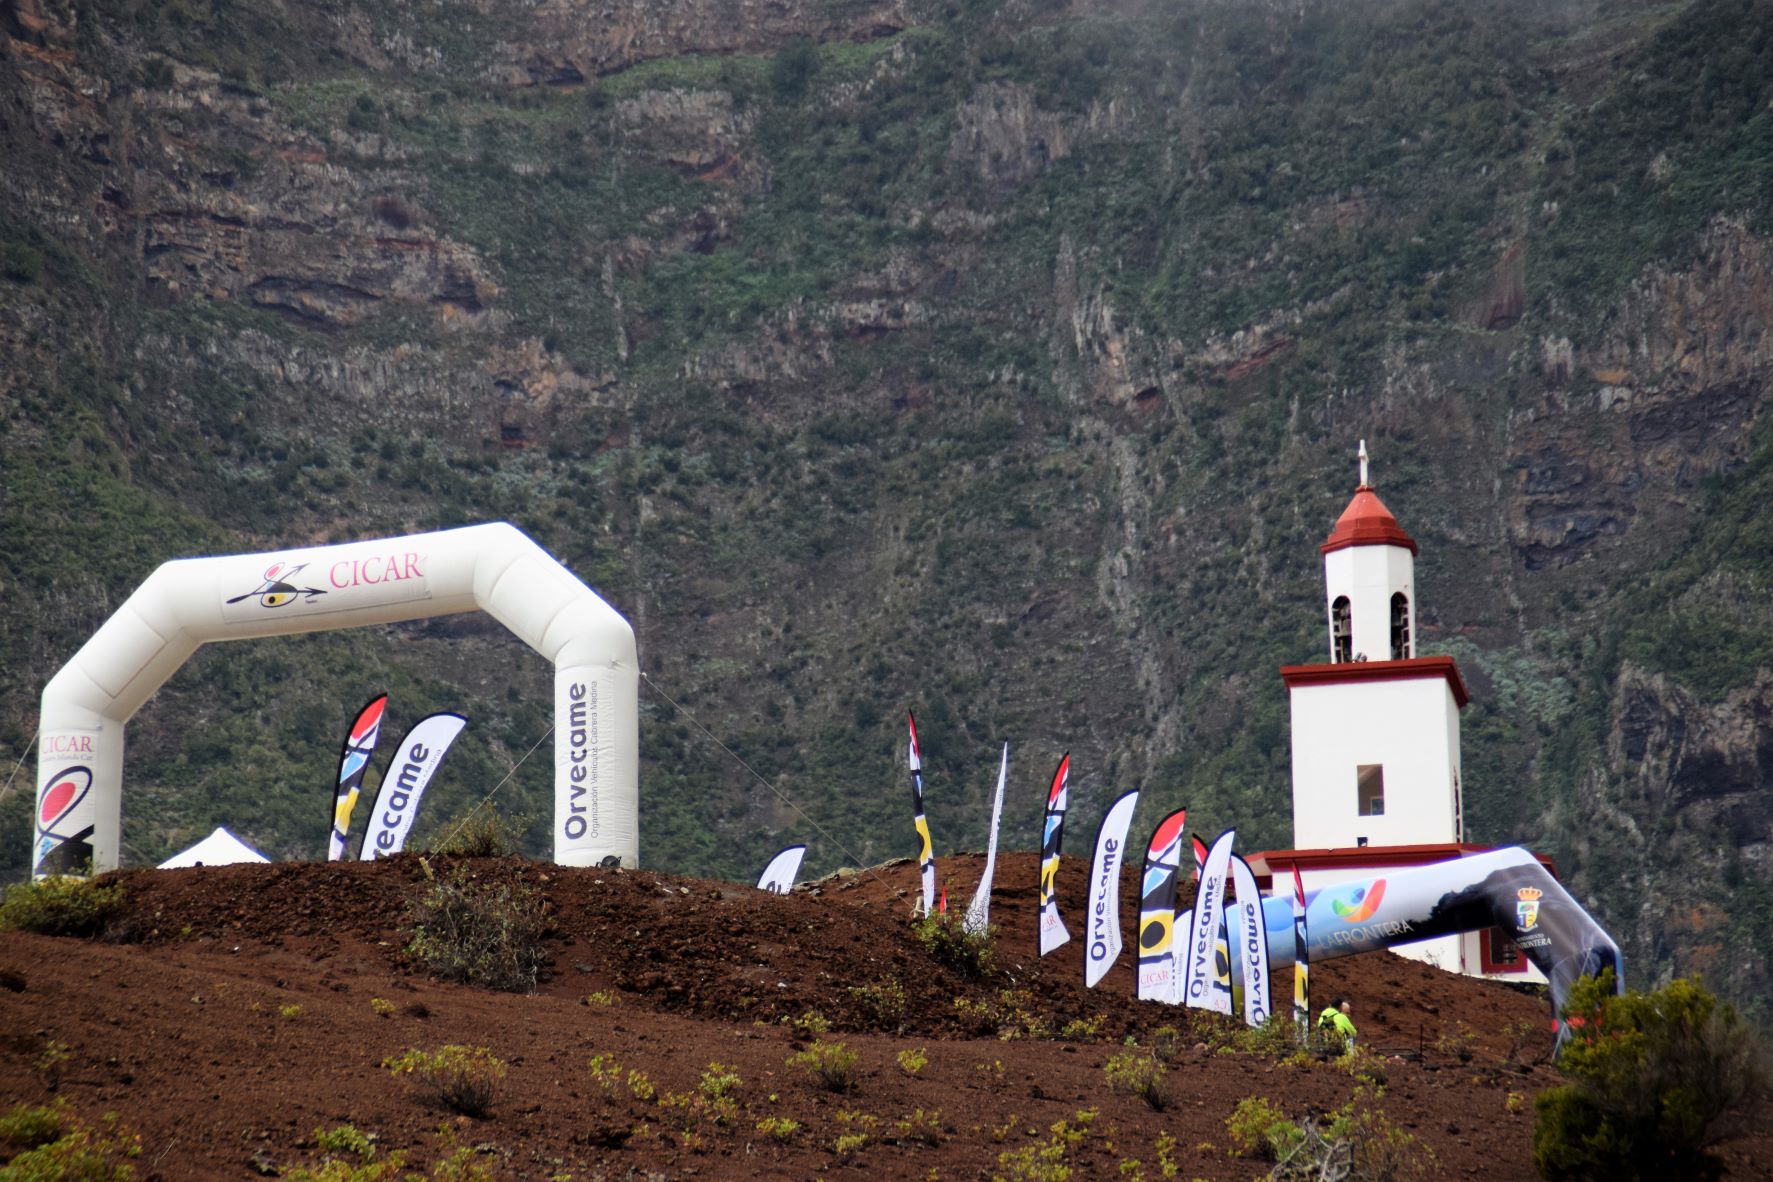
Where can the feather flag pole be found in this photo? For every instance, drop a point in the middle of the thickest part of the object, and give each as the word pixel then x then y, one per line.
pixel 926 854
pixel 1052 928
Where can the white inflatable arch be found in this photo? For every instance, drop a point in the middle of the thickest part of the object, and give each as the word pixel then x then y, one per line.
pixel 492 568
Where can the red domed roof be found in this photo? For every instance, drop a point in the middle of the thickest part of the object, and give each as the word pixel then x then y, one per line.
pixel 1367 522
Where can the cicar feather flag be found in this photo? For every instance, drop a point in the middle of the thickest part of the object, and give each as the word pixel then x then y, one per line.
pixel 926 853
pixel 1052 928
pixel 978 916
pixel 354 754
pixel 1157 908
pixel 1104 943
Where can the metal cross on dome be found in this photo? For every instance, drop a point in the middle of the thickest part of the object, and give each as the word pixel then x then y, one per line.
pixel 1363 455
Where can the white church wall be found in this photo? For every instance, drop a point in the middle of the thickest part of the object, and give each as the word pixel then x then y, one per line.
pixel 1407 726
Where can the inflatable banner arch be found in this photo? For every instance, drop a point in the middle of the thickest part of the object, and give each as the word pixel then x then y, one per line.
pixel 492 568
pixel 1505 888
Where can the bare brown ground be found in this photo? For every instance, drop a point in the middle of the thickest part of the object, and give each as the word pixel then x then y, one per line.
pixel 228 1015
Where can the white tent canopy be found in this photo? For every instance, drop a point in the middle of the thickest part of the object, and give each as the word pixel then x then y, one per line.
pixel 492 568
pixel 220 848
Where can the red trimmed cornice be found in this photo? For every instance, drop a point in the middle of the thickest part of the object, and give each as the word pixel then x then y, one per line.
pixel 1348 672
pixel 1276 862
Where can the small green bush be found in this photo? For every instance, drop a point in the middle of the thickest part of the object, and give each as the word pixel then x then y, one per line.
pixel 884 1002
pixel 479 833
pixel 1259 1129
pixel 1142 1075
pixel 1655 1078
pixel 719 1081
pixel 925 1128
pixel 778 1128
pixel 56 1146
pixel 831 1063
pixel 462 1079
pixel 1358 1143
pixel 21 264
pixel 945 937
pixel 27 1127
pixel 61 905
pixel 480 933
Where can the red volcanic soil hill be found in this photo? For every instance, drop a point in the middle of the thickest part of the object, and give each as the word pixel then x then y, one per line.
pixel 231 1011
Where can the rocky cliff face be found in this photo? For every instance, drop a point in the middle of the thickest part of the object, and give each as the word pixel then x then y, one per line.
pixel 1002 363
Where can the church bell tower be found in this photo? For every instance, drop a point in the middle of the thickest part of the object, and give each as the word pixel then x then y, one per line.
pixel 1375 730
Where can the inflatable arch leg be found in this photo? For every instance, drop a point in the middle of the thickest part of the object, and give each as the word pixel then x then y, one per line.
pixel 492 568
pixel 1505 888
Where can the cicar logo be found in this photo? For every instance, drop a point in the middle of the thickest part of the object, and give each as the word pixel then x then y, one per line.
pixel 1526 907
pixel 1358 906
pixel 66 790
pixel 277 590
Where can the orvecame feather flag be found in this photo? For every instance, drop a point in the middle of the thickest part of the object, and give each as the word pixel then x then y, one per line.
pixel 778 877
pixel 1201 974
pixel 1104 943
pixel 1250 942
pixel 415 764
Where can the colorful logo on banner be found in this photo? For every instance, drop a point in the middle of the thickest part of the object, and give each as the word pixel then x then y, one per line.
pixel 71 851
pixel 1052 928
pixel 1526 907
pixel 295 586
pixel 1360 905
pixel 1157 908
pixel 277 589
pixel 926 851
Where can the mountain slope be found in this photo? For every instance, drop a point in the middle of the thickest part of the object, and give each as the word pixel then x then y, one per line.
pixel 1005 362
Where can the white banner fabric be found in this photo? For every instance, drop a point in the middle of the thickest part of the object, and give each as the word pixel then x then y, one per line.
pixel 1250 942
pixel 1104 912
pixel 1200 979
pixel 415 764
pixel 778 877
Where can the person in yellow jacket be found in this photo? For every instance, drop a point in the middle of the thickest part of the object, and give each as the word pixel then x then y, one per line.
pixel 1335 1023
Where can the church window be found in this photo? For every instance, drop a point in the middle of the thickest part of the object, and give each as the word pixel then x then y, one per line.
pixel 1370 787
pixel 1500 953
pixel 1400 626
pixel 1341 631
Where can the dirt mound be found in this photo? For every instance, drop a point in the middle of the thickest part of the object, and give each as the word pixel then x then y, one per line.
pixel 230 1011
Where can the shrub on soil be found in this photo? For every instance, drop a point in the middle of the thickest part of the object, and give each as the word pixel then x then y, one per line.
pixel 462 1079
pixel 1142 1075
pixel 61 906
pixel 481 933
pixel 946 938
pixel 1358 1143
pixel 57 1146
pixel 1259 1129
pixel 479 833
pixel 1655 1078
pixel 831 1063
